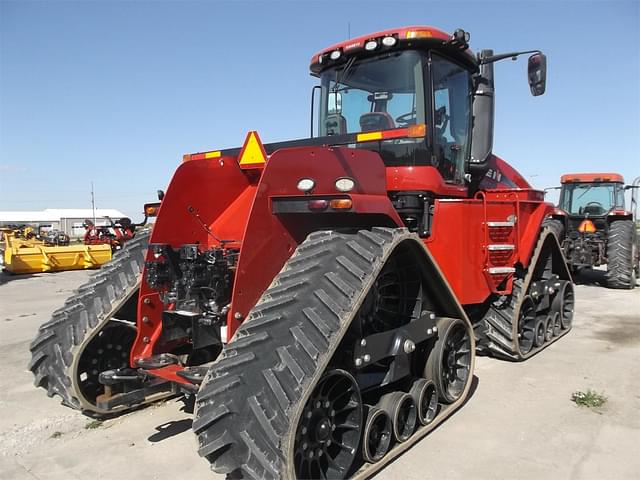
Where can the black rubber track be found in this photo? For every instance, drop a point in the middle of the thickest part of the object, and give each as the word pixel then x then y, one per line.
pixel 499 324
pixel 556 226
pixel 620 262
pixel 61 340
pixel 248 405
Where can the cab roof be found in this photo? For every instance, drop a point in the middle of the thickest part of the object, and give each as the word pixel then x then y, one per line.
pixel 591 178
pixel 405 36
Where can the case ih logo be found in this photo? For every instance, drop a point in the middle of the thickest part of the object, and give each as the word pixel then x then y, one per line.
pixel 494 175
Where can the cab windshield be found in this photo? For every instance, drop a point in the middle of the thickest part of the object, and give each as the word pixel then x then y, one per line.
pixel 379 93
pixel 591 198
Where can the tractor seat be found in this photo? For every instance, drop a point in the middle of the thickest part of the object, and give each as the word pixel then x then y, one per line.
pixel 593 210
pixel 376 121
pixel 335 124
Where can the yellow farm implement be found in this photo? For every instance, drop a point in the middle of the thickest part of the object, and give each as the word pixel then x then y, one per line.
pixel 33 256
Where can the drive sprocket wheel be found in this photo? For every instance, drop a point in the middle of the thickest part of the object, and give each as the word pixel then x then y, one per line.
pixel 330 427
pixel 108 350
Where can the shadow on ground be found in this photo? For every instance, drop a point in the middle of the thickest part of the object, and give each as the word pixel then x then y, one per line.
pixel 6 277
pixel 590 277
pixel 170 429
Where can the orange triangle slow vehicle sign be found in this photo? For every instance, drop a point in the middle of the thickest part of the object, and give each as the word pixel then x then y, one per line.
pixel 252 153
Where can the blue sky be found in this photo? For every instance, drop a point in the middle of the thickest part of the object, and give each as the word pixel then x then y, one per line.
pixel 115 92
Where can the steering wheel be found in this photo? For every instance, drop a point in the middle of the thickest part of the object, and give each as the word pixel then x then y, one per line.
pixel 594 204
pixel 407 118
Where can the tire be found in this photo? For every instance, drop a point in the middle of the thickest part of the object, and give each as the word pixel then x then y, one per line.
pixel 621 249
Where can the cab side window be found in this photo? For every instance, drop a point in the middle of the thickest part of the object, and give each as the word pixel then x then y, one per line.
pixel 451 118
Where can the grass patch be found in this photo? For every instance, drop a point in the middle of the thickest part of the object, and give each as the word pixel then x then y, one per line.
pixel 93 424
pixel 56 435
pixel 589 399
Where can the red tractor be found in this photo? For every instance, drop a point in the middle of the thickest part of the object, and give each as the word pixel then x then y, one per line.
pixel 595 228
pixel 114 234
pixel 323 299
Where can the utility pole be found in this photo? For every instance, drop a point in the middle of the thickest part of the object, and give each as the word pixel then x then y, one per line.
pixel 93 203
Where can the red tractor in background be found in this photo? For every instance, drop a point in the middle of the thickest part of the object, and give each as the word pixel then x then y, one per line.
pixel 118 232
pixel 595 228
pixel 114 234
pixel 323 299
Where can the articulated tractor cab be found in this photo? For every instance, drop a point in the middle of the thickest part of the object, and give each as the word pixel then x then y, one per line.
pixel 595 228
pixel 324 299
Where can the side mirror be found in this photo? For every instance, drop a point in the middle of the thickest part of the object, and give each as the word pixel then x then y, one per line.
pixel 160 195
pixel 334 103
pixel 537 73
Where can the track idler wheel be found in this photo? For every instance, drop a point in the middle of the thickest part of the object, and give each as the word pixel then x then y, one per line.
pixel 403 412
pixel 449 362
pixel 425 396
pixel 329 431
pixel 377 435
pixel 563 303
pixel 526 325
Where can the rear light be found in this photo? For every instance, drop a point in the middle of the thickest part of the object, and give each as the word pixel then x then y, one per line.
pixel 419 34
pixel 587 226
pixel 345 184
pixel 371 45
pixel 619 212
pixel 306 184
pixel 341 203
pixel 151 209
pixel 318 205
pixel 417 131
pixel 389 41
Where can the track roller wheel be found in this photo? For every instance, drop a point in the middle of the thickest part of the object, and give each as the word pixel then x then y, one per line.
pixel 526 325
pixel 403 412
pixel 377 435
pixel 425 395
pixel 548 325
pixel 563 303
pixel 449 361
pixel 540 331
pixel 557 325
pixel 329 431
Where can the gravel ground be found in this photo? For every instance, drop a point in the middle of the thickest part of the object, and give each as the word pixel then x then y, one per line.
pixel 519 423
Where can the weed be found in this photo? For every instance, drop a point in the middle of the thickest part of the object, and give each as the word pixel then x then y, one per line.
pixel 589 399
pixel 93 424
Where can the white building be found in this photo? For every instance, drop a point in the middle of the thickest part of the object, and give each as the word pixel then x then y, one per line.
pixel 69 220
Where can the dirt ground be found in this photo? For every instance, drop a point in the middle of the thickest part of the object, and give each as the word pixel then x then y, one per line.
pixel 519 423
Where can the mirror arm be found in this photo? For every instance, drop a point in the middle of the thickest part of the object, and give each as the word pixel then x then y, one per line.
pixel 502 56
